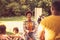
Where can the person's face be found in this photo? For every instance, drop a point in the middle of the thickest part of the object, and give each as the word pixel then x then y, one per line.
pixel 53 11
pixel 14 31
pixel 29 16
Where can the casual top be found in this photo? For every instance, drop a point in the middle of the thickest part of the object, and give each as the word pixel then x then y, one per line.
pixel 29 25
pixel 51 25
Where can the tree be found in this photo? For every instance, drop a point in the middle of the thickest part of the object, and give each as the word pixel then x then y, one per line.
pixel 18 7
pixel 3 4
pixel 45 5
pixel 15 8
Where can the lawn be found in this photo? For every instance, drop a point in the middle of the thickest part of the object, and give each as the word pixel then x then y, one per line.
pixel 16 18
pixel 20 18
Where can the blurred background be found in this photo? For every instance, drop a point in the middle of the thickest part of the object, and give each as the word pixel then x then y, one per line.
pixel 12 12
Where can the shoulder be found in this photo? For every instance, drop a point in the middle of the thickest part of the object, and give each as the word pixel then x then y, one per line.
pixel 46 20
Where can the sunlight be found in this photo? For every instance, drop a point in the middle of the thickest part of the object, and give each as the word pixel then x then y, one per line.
pixel 11 24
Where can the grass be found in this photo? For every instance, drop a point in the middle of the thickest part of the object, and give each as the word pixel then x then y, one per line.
pixel 7 21
pixel 20 18
pixel 16 18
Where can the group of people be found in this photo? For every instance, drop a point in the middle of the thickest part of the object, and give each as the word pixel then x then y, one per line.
pixel 50 27
pixel 29 27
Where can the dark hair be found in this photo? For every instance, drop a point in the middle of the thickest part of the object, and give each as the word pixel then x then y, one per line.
pixel 28 12
pixel 16 29
pixel 2 29
pixel 56 5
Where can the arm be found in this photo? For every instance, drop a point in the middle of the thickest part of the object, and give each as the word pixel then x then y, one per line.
pixel 35 27
pixel 24 27
pixel 41 32
pixel 42 35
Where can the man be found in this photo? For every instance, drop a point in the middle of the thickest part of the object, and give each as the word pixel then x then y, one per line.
pixel 51 24
pixel 29 27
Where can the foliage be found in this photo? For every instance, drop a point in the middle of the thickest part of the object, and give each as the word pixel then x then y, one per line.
pixel 19 7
